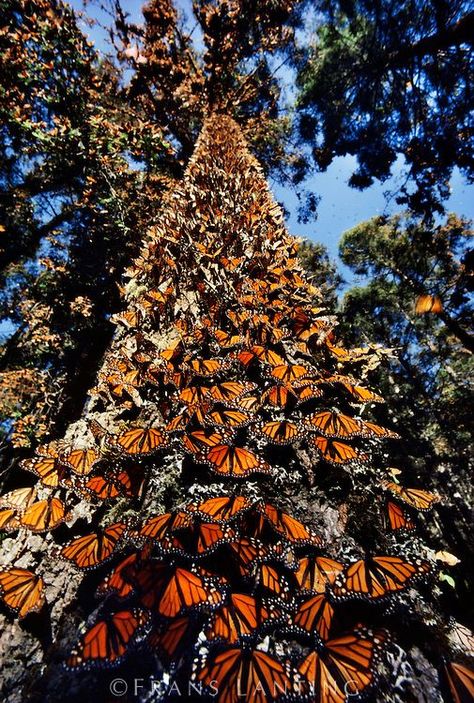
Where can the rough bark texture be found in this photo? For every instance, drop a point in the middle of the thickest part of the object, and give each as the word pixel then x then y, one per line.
pixel 225 206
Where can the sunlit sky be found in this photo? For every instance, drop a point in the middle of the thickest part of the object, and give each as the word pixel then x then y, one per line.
pixel 340 206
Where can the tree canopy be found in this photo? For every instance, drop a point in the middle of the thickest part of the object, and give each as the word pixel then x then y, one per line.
pixel 383 78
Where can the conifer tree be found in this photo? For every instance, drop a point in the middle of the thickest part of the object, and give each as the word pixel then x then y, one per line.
pixel 232 476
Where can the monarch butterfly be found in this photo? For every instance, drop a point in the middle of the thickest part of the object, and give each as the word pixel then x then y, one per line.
pixel 279 396
pixel 315 614
pixel 287 373
pixel 206 367
pixel 239 618
pixel 461 682
pixel 428 304
pixel 178 423
pixel 43 515
pixel 251 403
pixel 200 539
pixel 80 461
pixel 157 528
pixel 268 356
pixel 179 379
pixel 19 499
pixel 139 441
pixel 293 530
pixel 194 395
pixel 372 430
pixel 235 461
pixel 337 452
pixel 316 573
pixel 309 392
pixel 230 390
pixel 116 582
pixel 280 431
pixel 186 590
pixel 223 508
pixel 47 468
pixel 272 579
pixel 22 591
pixel 377 577
pixel 89 551
pixel 342 667
pixel 246 551
pixel 226 340
pixel 229 418
pixel 249 673
pixel 109 640
pixel 461 638
pixel 361 395
pixel 105 487
pixel 397 518
pixel 9 520
pixel 414 497
pixel 196 442
pixel 171 638
pixel 333 424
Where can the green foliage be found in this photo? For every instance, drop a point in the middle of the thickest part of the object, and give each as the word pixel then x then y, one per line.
pixel 322 272
pixel 428 387
pixel 384 78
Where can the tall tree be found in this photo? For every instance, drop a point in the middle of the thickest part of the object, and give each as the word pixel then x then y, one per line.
pixel 385 78
pixel 418 301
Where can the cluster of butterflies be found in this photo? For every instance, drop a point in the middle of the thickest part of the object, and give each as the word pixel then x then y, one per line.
pixel 222 361
pixel 235 570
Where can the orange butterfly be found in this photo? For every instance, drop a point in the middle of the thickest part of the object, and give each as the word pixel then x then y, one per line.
pixel 116 582
pixel 360 394
pixel 228 418
pixel 43 515
pixel 315 614
pixel 157 528
pixel 239 618
pixel 414 497
pixel 249 673
pixel 291 529
pixel 397 518
pixel 333 424
pixel 186 590
pixel 139 441
pixel 198 540
pixel 316 573
pixel 19 499
pixel 80 461
pixel 342 667
pixel 279 396
pixel 200 440
pixel 207 367
pixel 22 591
pixel 47 468
pixel 377 577
pixel 246 551
pixel 172 637
pixel 461 682
pixel 281 431
pixel 223 508
pixel 337 452
pixel 109 640
pixel 233 461
pixel 8 520
pixel 89 551
pixel 287 373
pixel 230 390
pixel 105 487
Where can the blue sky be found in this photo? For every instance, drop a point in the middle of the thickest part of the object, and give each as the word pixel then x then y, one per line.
pixel 340 206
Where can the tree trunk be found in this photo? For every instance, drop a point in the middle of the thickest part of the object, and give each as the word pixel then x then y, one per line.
pixel 230 236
